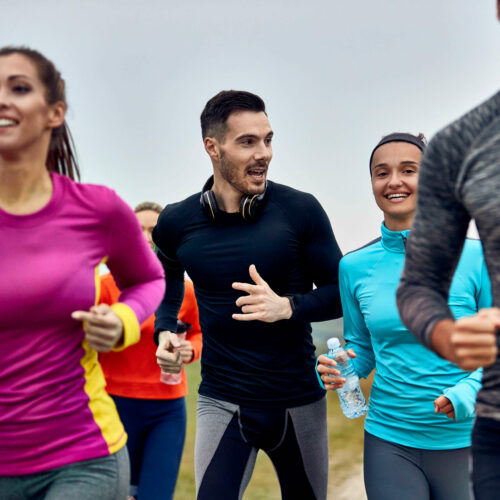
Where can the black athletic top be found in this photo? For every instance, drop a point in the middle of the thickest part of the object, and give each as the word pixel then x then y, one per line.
pixel 292 245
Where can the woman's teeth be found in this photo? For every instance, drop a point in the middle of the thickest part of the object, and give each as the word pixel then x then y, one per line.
pixel 6 122
pixel 395 196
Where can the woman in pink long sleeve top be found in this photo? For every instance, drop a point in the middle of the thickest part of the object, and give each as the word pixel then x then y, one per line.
pixel 60 434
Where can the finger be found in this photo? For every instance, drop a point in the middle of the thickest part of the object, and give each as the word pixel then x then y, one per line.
pixel 476 353
pixel 351 353
pixel 170 367
pixel 447 409
pixel 491 314
pixel 174 341
pixel 441 400
pixel 96 333
pixel 256 277
pixel 100 343
pixel 474 362
pixel 475 324
pixel 94 319
pixel 451 415
pixel 248 317
pixel 245 287
pixel 252 308
pixel 81 315
pixel 328 370
pixel 99 347
pixel 325 360
pixel 473 339
pixel 328 379
pixel 168 358
pixel 248 299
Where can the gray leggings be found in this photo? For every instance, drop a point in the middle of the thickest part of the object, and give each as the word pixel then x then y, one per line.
pixel 396 472
pixel 104 478
pixel 229 436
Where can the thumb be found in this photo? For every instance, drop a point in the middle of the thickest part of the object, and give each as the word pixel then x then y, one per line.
pixel 257 279
pixel 174 340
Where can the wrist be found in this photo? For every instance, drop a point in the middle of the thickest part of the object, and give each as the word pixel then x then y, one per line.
pixel 441 339
pixel 288 307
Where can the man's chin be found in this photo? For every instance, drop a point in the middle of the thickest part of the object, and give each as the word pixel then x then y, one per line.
pixel 256 188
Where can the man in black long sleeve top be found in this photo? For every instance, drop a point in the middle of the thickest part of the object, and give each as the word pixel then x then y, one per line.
pixel 253 249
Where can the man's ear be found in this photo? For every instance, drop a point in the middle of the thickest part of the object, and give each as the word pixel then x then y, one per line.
pixel 212 147
pixel 57 114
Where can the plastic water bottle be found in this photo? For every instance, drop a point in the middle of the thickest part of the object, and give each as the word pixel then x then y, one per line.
pixel 351 397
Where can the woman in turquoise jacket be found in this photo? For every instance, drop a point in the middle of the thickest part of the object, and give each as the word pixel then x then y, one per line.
pixel 421 411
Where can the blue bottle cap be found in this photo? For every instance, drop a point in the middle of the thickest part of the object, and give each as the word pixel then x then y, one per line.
pixel 333 343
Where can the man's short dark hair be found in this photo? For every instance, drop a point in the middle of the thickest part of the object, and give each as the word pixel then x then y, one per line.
pixel 217 110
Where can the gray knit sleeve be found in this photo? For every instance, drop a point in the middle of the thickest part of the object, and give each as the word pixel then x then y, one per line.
pixel 436 239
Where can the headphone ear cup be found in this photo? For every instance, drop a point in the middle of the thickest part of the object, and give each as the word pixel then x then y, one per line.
pixel 209 204
pixel 251 205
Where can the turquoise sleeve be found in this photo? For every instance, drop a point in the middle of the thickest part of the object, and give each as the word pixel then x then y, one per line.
pixel 463 395
pixel 484 292
pixel 317 375
pixel 356 334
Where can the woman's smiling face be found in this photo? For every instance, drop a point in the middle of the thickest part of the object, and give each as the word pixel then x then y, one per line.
pixel 26 118
pixel 394 170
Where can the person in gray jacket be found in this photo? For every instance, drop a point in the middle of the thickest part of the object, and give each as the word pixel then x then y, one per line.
pixel 460 181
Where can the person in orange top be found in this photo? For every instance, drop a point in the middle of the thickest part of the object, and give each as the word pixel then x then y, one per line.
pixel 153 413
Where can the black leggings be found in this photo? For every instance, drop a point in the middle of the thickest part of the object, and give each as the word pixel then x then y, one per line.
pixel 486 458
pixel 396 472
pixel 228 437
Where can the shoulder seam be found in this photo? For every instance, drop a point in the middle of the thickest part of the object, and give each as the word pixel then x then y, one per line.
pixel 376 240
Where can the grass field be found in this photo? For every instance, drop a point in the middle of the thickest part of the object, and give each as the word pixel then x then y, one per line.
pixel 346 448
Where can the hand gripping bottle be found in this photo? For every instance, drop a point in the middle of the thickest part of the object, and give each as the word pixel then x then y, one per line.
pixel 351 397
pixel 175 378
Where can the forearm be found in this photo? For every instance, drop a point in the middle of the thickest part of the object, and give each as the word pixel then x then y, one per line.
pixel 166 314
pixel 440 339
pixel 320 304
pixel 196 344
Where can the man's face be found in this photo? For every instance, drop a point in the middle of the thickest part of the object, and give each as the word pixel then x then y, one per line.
pixel 147 220
pixel 245 153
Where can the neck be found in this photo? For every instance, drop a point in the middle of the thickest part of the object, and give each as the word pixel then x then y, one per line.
pixel 25 187
pixel 228 198
pixel 398 224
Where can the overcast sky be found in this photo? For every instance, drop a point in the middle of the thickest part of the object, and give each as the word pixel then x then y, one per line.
pixel 335 76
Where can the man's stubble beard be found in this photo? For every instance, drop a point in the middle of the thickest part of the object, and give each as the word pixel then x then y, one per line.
pixel 230 174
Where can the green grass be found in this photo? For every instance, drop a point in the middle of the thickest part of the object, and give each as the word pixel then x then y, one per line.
pixel 345 438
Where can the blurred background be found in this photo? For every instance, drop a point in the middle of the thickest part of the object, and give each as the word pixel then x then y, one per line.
pixel 335 76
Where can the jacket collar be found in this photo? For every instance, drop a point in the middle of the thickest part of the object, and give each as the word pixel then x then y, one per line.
pixel 394 241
